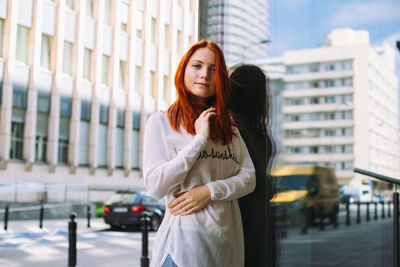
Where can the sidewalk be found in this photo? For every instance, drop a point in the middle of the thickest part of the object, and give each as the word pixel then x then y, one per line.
pixel 24 244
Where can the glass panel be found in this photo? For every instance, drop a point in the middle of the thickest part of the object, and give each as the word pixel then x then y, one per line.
pixel 104 74
pixel 22 44
pixel 86 63
pixel 45 51
pixel 67 57
pixel 17 140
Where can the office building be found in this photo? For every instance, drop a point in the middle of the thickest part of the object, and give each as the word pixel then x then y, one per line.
pixel 240 27
pixel 78 81
pixel 340 106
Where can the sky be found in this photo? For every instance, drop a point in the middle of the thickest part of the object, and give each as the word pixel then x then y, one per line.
pixel 299 24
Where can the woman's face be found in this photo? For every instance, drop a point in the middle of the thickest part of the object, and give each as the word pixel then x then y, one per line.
pixel 199 74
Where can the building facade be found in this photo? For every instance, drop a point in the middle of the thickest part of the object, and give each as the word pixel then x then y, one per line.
pixel 239 27
pixel 339 106
pixel 79 79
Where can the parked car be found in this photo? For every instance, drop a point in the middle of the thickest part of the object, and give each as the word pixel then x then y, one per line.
pixel 125 208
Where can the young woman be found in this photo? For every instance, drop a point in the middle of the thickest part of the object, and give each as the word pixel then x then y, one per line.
pixel 195 158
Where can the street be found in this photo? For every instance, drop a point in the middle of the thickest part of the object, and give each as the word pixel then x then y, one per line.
pixel 364 244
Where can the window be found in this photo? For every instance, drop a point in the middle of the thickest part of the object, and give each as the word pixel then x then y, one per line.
pixel 22 44
pixel 107 12
pixel 63 135
pixel 167 35
pixel 41 136
pixel 19 97
pixel 67 58
pixel 153 31
pixel 104 73
pixel 121 118
pixel 103 116
pixel 42 119
pixel 121 74
pixel 89 8
pixel 137 78
pixel 1 36
pixel 87 56
pixel 45 51
pixel 314 149
pixel 85 110
pixel 179 45
pixel 70 4
pixel 135 140
pixel 166 88
pixel 17 140
pixel 153 84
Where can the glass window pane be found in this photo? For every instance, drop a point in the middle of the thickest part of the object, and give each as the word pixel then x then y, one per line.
pixel 104 74
pixel 67 58
pixel 22 44
pixel 86 63
pixel 45 51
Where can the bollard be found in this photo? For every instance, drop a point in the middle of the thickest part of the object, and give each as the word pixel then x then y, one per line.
pixel 358 212
pixel 72 240
pixel 321 221
pixel 376 211
pixel 144 261
pixel 383 210
pixel 6 218
pixel 88 216
pixel 389 210
pixel 41 216
pixel 367 212
pixel 347 213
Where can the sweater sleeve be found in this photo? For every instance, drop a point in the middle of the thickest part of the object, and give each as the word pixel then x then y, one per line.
pixel 162 175
pixel 239 185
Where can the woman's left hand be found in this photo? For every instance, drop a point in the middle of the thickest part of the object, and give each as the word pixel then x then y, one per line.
pixel 193 200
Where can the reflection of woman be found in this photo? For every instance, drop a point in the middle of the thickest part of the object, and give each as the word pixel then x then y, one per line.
pixel 248 101
pixel 195 157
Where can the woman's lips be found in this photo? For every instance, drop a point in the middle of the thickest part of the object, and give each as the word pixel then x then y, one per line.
pixel 203 84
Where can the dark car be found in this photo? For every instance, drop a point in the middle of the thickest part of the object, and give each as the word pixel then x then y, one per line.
pixel 125 208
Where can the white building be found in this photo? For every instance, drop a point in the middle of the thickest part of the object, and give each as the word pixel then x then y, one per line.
pixel 340 106
pixel 78 80
pixel 240 27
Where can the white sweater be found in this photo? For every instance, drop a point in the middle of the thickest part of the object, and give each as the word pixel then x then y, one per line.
pixel 176 162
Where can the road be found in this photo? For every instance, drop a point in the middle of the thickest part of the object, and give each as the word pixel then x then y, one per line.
pixel 364 244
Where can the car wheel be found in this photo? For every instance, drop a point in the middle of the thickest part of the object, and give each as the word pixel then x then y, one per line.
pixel 155 222
pixel 115 227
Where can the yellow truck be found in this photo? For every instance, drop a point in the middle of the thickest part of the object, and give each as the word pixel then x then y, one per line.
pixel 305 193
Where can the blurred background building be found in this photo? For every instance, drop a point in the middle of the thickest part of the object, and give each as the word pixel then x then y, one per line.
pixel 338 106
pixel 240 27
pixel 78 80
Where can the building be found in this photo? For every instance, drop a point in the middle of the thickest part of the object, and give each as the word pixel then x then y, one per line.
pixel 78 81
pixel 239 27
pixel 340 106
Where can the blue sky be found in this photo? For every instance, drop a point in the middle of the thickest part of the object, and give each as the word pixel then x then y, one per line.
pixel 298 24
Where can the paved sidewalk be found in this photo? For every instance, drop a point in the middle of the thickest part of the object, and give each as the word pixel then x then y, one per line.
pixel 25 244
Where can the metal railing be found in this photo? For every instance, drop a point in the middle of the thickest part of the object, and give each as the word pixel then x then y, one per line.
pixel 396 238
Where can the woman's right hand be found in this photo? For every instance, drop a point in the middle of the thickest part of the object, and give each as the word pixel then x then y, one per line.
pixel 202 124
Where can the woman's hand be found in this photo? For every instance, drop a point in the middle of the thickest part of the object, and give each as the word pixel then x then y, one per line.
pixel 202 124
pixel 193 200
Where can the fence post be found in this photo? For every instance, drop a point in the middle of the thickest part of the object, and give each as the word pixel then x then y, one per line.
pixel 383 210
pixel 41 216
pixel 376 211
pixel 347 213
pixel 72 240
pixel 396 239
pixel 389 210
pixel 144 261
pixel 358 212
pixel 88 216
pixel 6 218
pixel 367 212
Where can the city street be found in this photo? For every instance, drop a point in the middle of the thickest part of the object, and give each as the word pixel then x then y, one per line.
pixel 365 244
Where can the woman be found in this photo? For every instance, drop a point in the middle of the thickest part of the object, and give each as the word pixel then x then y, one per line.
pixel 196 159
pixel 249 103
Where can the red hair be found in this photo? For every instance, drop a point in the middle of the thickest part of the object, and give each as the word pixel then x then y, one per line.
pixel 186 109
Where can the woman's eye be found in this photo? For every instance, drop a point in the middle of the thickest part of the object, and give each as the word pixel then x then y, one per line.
pixel 197 66
pixel 212 69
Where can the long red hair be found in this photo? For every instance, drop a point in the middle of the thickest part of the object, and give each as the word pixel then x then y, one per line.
pixel 186 109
